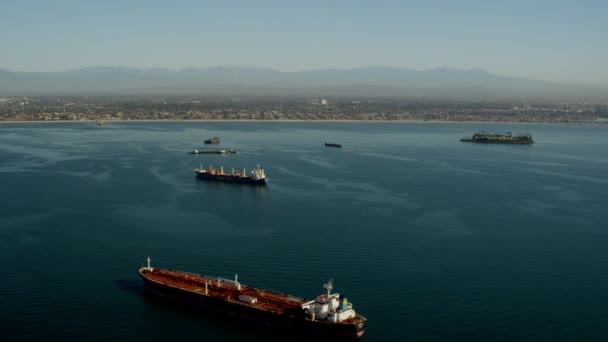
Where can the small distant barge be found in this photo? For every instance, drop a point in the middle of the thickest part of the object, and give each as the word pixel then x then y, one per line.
pixel 256 177
pixel 333 145
pixel 230 151
pixel 329 315
pixel 214 140
pixel 499 138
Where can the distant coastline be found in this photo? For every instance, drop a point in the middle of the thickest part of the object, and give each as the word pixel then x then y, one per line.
pixel 301 121
pixel 286 109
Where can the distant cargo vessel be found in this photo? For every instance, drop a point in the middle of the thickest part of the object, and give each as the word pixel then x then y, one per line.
pixel 328 315
pixel 499 138
pixel 333 144
pixel 101 123
pixel 257 175
pixel 230 151
pixel 214 140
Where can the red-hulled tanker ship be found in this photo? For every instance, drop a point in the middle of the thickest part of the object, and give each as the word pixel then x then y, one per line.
pixel 327 315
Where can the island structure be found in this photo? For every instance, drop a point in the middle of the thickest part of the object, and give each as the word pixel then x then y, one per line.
pixel 499 138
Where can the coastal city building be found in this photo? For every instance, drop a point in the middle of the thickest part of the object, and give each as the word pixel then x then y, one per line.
pixel 101 109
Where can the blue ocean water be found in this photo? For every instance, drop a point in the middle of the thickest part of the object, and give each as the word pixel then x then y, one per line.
pixel 430 238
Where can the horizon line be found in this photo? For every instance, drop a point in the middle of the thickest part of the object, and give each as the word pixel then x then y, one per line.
pixel 252 67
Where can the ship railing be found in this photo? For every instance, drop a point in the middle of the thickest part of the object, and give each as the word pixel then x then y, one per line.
pixel 234 283
pixel 308 303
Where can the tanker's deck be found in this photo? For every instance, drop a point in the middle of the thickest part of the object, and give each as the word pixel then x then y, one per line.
pixel 227 290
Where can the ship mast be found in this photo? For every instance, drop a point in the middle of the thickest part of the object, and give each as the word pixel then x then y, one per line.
pixel 329 286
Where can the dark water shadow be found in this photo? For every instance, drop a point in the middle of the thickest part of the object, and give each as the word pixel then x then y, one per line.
pixel 259 190
pixel 134 287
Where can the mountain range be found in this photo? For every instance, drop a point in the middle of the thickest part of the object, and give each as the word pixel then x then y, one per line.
pixel 230 81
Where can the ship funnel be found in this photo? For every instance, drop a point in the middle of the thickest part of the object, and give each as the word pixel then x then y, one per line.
pixel 343 303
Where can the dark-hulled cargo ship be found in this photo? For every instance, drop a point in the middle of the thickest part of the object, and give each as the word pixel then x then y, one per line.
pixel 328 315
pixel 214 140
pixel 197 151
pixel 256 176
pixel 329 144
pixel 499 138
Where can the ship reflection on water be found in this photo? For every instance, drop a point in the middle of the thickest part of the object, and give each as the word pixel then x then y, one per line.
pixel 258 191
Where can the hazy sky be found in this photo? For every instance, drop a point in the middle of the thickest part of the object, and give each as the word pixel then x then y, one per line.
pixel 556 40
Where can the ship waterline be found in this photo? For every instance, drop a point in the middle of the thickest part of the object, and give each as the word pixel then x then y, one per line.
pixel 328 315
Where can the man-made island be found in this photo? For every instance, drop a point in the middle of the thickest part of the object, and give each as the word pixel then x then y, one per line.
pixel 125 108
